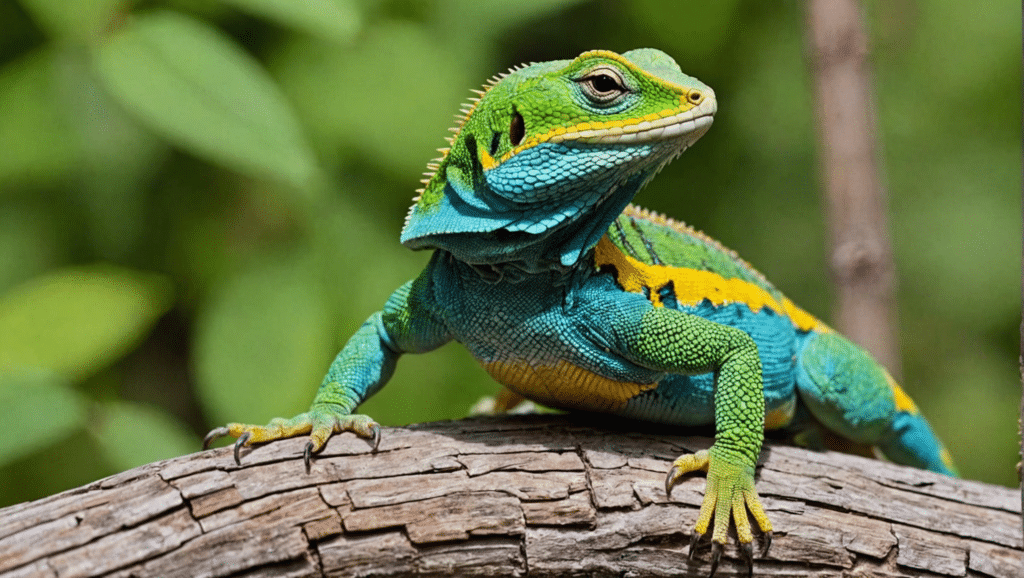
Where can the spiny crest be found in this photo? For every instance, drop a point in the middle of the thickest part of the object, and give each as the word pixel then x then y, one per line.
pixel 465 111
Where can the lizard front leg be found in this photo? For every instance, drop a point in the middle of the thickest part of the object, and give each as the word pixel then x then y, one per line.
pixel 364 365
pixel 675 342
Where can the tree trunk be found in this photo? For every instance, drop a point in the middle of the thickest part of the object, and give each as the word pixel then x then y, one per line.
pixel 504 496
pixel 861 261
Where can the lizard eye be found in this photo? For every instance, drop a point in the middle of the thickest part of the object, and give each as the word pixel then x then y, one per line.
pixel 603 86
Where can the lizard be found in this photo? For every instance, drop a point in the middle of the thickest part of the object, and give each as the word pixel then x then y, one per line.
pixel 569 295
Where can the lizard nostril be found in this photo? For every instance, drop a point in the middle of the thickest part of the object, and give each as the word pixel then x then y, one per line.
pixel 695 97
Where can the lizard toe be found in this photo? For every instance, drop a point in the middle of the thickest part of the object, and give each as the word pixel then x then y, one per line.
pixel 730 494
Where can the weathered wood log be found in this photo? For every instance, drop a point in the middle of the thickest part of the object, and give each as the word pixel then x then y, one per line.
pixel 508 496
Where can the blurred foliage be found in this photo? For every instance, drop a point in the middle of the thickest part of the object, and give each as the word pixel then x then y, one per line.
pixel 200 201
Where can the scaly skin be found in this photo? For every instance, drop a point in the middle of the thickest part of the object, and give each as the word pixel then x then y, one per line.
pixel 572 298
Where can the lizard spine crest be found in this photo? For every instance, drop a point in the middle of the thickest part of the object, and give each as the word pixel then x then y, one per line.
pixel 465 112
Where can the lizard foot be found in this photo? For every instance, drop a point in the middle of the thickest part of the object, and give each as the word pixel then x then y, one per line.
pixel 320 423
pixel 506 402
pixel 730 493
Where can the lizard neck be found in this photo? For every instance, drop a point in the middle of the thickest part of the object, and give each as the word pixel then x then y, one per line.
pixel 561 247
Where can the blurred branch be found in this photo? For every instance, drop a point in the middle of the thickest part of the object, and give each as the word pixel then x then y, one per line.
pixel 506 496
pixel 1020 418
pixel 861 260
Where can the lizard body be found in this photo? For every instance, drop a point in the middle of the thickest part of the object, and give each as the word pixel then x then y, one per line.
pixel 569 296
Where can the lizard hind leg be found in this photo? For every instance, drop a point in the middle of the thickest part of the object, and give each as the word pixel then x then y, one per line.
pixel 850 394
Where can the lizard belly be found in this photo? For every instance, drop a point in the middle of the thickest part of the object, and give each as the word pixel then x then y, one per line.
pixel 562 384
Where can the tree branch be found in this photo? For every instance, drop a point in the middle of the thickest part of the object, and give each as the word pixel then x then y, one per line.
pixel 505 496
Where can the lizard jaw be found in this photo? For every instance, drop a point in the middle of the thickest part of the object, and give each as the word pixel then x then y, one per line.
pixel 693 128
pixel 691 123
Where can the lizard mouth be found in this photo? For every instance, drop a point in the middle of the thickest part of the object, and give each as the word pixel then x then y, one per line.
pixel 691 123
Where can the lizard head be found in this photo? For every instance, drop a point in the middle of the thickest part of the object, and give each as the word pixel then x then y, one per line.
pixel 550 153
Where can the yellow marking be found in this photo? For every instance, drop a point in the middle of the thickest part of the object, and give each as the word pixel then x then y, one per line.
pixel 565 385
pixel 693 286
pixel 533 141
pixel 802 319
pixel 486 160
pixel 684 105
pixel 903 401
pixel 947 459
pixel 780 416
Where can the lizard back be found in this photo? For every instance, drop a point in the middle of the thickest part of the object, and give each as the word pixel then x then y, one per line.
pixel 676 265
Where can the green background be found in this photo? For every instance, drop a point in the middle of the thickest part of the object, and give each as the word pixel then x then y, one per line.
pixel 200 201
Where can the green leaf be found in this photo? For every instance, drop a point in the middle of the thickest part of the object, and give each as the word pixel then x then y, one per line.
pixel 36 410
pixel 29 244
pixel 197 88
pixel 336 20
pixel 265 341
pixel 81 19
pixel 490 18
pixel 132 434
pixel 377 84
pixel 77 320
pixel 37 143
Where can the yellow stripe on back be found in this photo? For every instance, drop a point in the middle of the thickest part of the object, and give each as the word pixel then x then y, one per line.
pixel 693 286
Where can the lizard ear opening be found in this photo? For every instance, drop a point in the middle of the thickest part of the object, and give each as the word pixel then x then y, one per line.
pixel 470 143
pixel 517 130
pixel 495 143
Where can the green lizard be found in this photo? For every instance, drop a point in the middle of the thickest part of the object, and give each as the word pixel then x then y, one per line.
pixel 569 296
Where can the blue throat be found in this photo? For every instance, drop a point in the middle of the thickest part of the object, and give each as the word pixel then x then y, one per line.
pixel 501 223
pixel 513 253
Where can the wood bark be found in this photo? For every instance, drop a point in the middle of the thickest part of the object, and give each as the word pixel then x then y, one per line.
pixel 861 261
pixel 503 496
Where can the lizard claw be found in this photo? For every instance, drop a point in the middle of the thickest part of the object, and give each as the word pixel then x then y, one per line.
pixel 694 538
pixel 716 555
pixel 767 543
pixel 747 553
pixel 670 481
pixel 241 441
pixel 214 435
pixel 375 436
pixel 307 456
